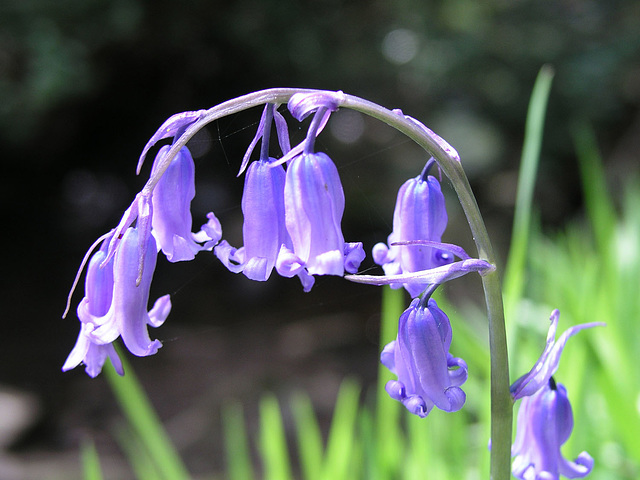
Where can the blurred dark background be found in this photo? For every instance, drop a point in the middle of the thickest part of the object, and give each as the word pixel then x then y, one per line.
pixel 84 83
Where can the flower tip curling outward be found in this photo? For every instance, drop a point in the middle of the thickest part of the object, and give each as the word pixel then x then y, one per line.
pixel 548 362
pixel 545 418
pixel 545 422
pixel 428 375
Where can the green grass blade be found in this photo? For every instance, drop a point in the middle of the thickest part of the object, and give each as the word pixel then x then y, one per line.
pixel 90 461
pixel 342 434
pixel 602 214
pixel 273 442
pixel 310 446
pixel 144 421
pixel 515 269
pixel 236 443
pixel 143 466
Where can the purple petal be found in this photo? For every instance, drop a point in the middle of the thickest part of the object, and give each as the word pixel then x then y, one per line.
pixel 128 316
pixel 314 204
pixel 171 200
pixel 419 220
pixel 544 424
pixel 548 362
pixel 264 229
pixel 428 375
pixel 432 276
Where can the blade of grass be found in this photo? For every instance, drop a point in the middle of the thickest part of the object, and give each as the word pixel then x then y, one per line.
pixel 273 442
pixel 342 432
pixel 143 466
pixel 310 446
pixel 140 414
pixel 602 214
pixel 513 285
pixel 236 443
pixel 90 461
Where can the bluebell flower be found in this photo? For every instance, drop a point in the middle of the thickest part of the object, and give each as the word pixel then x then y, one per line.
pixel 545 422
pixel 545 418
pixel 314 201
pixel 96 303
pixel 547 364
pixel 428 375
pixel 171 219
pixel 314 205
pixel 420 214
pixel 264 228
pixel 115 304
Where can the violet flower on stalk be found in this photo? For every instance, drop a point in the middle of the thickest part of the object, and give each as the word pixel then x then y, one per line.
pixel 96 303
pixel 545 418
pixel 264 229
pixel 428 375
pixel 314 201
pixel 115 306
pixel 171 219
pixel 420 214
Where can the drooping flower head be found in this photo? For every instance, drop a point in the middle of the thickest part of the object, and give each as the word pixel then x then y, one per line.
pixel 428 375
pixel 116 305
pixel 314 201
pixel 420 214
pixel 96 303
pixel 545 422
pixel 545 418
pixel 171 221
pixel 127 316
pixel 264 228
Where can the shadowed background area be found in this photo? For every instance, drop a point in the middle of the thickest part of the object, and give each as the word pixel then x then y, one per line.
pixel 84 83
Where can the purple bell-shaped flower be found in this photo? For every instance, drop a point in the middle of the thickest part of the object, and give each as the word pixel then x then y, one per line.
pixel 126 297
pixel 171 221
pixel 314 201
pixel 264 229
pixel 545 422
pixel 96 303
pixel 420 214
pixel 427 373
pixel 545 418
pixel 314 205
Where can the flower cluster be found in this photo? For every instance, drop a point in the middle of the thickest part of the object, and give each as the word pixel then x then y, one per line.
pixel 292 210
pixel 428 374
pixel 292 217
pixel 292 222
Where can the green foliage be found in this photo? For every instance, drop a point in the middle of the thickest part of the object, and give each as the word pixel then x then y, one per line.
pixel 90 461
pixel 150 435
